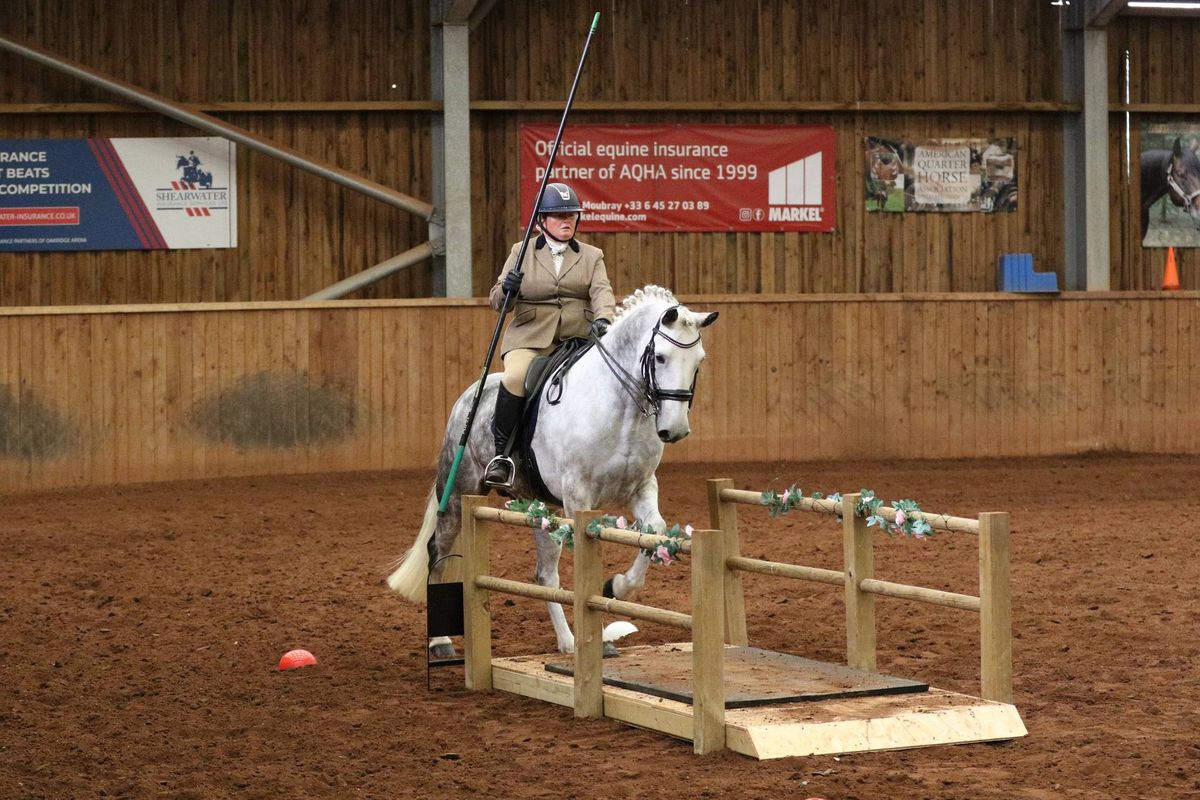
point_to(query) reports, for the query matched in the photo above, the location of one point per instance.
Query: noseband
(1175, 187)
(649, 396)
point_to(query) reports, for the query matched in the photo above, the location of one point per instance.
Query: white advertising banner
(117, 194)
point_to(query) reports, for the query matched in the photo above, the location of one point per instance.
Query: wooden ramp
(776, 705)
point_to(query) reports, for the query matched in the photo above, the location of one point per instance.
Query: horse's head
(1183, 178)
(180, 161)
(885, 163)
(672, 363)
(666, 337)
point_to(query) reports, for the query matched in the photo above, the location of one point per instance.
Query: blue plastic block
(1016, 274)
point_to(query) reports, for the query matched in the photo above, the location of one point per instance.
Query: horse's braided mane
(644, 295)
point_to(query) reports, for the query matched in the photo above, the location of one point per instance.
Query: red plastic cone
(1171, 274)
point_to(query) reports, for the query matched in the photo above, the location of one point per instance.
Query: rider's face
(560, 226)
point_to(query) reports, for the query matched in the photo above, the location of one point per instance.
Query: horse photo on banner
(941, 175)
(1170, 191)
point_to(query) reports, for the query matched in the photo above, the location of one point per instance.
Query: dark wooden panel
(224, 50)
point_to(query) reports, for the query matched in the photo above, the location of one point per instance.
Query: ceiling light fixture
(1164, 5)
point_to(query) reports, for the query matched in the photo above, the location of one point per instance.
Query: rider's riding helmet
(558, 198)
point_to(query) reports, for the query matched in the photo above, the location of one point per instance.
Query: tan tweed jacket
(552, 307)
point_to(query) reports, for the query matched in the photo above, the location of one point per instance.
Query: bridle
(647, 394)
(1174, 184)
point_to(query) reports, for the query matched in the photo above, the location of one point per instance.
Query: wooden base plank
(848, 725)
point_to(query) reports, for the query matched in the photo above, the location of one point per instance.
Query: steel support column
(450, 62)
(1085, 159)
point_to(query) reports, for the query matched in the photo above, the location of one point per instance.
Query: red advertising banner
(689, 178)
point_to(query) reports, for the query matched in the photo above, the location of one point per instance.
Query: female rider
(562, 291)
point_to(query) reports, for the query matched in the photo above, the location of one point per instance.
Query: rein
(646, 394)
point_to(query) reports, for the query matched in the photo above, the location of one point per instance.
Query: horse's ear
(1195, 144)
(709, 319)
(1177, 150)
(671, 315)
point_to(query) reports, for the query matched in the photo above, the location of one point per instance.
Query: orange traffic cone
(1171, 274)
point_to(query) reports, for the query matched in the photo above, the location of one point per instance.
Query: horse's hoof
(441, 652)
(610, 650)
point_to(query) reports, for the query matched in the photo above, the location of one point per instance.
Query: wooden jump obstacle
(822, 708)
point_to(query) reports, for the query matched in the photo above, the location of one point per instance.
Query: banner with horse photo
(941, 175)
(1170, 191)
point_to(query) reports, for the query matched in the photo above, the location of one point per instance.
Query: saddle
(545, 374)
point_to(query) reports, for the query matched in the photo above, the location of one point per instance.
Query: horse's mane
(647, 294)
(649, 300)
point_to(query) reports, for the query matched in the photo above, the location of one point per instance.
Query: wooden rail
(941, 522)
(705, 621)
(815, 574)
(994, 602)
(919, 593)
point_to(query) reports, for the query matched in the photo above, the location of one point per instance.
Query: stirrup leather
(505, 481)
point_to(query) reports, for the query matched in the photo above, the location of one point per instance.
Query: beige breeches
(516, 364)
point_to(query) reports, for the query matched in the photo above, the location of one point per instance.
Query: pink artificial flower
(621, 523)
(664, 555)
(545, 523)
(900, 517)
(687, 531)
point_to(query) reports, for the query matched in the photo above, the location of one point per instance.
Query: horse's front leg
(548, 553)
(645, 507)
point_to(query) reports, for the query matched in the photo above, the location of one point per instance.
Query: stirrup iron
(503, 462)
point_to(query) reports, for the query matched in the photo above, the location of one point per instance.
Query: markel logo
(794, 191)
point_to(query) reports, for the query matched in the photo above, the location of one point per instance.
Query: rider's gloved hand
(600, 327)
(512, 283)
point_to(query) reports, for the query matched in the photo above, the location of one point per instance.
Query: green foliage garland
(909, 520)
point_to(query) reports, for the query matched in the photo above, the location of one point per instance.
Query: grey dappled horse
(598, 447)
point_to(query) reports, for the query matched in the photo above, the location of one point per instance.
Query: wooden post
(723, 517)
(589, 624)
(708, 642)
(477, 620)
(859, 559)
(995, 609)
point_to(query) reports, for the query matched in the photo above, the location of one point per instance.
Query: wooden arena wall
(349, 82)
(131, 394)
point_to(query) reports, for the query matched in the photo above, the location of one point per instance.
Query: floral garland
(667, 552)
(539, 516)
(909, 520)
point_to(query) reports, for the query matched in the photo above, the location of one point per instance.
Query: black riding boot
(508, 414)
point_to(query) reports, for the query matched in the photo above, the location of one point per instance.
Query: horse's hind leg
(548, 554)
(441, 563)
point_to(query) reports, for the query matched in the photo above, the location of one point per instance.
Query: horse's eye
(660, 358)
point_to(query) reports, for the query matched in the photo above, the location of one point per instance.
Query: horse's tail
(412, 571)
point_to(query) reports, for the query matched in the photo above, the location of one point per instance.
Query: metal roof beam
(1100, 13)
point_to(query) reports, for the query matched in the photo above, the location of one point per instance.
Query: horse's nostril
(664, 435)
